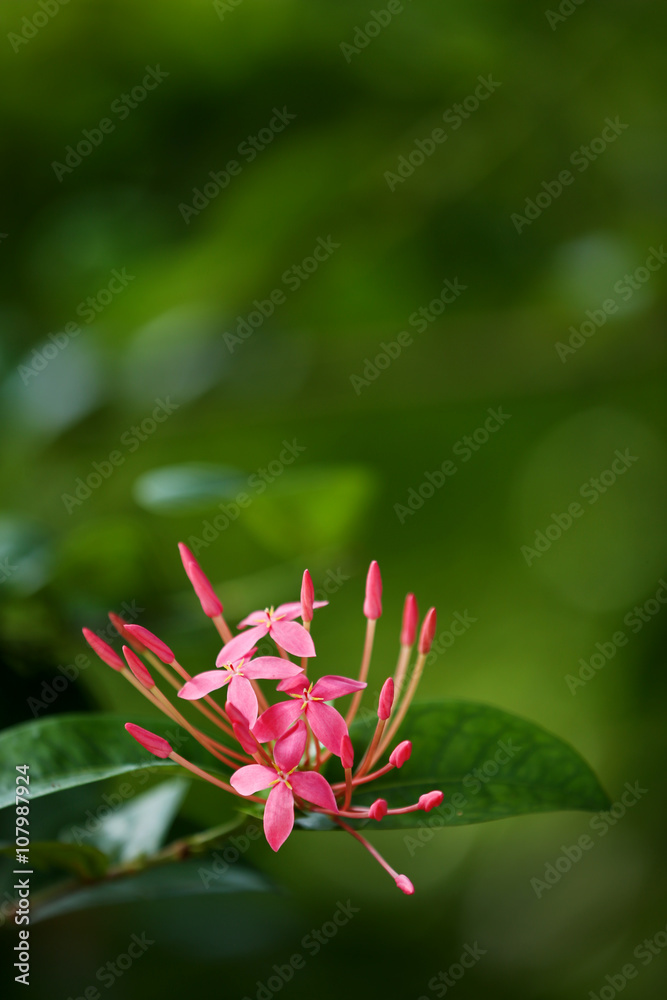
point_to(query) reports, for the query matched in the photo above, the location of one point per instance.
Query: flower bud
(427, 631)
(404, 884)
(410, 619)
(378, 810)
(150, 641)
(137, 667)
(386, 699)
(154, 744)
(103, 649)
(210, 604)
(307, 597)
(430, 800)
(401, 753)
(373, 601)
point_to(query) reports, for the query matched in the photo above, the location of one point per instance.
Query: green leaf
(80, 859)
(184, 878)
(68, 750)
(139, 827)
(490, 764)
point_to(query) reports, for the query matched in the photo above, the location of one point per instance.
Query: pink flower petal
(254, 618)
(243, 698)
(327, 724)
(240, 645)
(278, 815)
(289, 749)
(294, 685)
(291, 610)
(203, 684)
(252, 778)
(293, 638)
(314, 788)
(271, 668)
(333, 686)
(277, 719)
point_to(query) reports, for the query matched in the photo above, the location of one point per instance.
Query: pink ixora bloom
(285, 782)
(327, 724)
(238, 674)
(279, 624)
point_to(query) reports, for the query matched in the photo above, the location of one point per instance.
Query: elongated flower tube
(103, 650)
(151, 641)
(373, 599)
(307, 598)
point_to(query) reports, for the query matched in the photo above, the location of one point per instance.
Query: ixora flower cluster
(283, 746)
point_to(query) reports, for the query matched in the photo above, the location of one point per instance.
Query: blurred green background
(167, 337)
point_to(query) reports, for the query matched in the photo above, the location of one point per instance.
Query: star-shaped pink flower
(238, 674)
(285, 782)
(327, 724)
(279, 624)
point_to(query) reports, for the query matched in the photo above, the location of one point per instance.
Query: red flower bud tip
(373, 601)
(137, 668)
(405, 885)
(211, 606)
(103, 650)
(307, 597)
(430, 800)
(154, 744)
(150, 641)
(401, 753)
(386, 699)
(378, 810)
(428, 631)
(118, 623)
(410, 619)
(346, 752)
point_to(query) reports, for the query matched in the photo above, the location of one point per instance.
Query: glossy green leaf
(138, 827)
(490, 764)
(166, 881)
(80, 859)
(68, 750)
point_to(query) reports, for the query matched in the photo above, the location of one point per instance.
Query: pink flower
(327, 724)
(279, 624)
(285, 782)
(238, 674)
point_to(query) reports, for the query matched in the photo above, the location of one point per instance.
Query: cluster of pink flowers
(283, 746)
